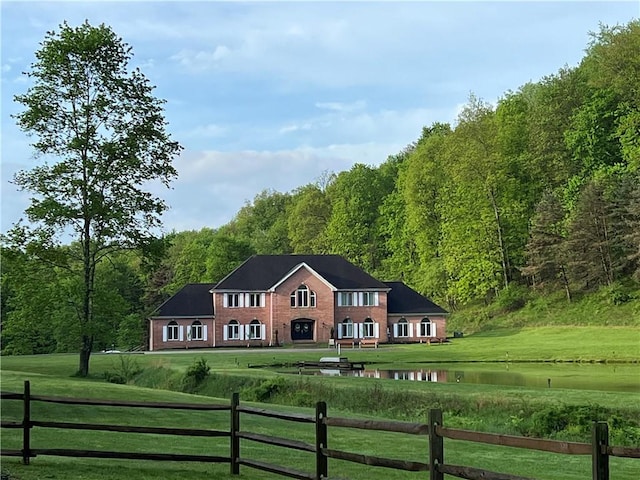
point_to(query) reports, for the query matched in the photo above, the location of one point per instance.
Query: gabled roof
(262, 272)
(404, 300)
(192, 300)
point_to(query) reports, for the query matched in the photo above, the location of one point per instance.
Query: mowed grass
(502, 459)
(51, 375)
(542, 344)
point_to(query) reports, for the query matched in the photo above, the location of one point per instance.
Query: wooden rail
(599, 448)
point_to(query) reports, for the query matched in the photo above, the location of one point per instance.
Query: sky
(274, 95)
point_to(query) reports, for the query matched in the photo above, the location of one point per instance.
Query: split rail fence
(599, 448)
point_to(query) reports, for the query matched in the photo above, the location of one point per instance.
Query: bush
(124, 371)
(196, 374)
(512, 298)
(266, 390)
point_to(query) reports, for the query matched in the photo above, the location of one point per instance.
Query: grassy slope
(554, 332)
(530, 463)
(595, 309)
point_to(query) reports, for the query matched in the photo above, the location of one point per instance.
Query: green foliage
(105, 129)
(267, 390)
(123, 371)
(512, 298)
(195, 375)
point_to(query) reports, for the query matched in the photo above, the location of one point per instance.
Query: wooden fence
(599, 448)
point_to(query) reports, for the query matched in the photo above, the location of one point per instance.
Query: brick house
(274, 299)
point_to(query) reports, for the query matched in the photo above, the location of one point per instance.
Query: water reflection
(582, 377)
(413, 375)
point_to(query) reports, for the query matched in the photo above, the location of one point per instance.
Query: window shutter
(263, 298)
(419, 329)
(225, 300)
(395, 329)
(204, 332)
(376, 299)
(433, 329)
(241, 300)
(263, 332)
(225, 332)
(376, 330)
(360, 300)
(241, 332)
(339, 331)
(339, 299)
(164, 333)
(181, 333)
(360, 330)
(411, 329)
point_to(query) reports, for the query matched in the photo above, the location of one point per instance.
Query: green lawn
(51, 375)
(533, 464)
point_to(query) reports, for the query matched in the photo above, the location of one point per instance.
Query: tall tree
(105, 134)
(545, 251)
(308, 216)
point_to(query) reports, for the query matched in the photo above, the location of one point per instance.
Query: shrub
(124, 371)
(196, 374)
(512, 298)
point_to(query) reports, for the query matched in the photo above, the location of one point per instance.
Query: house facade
(271, 300)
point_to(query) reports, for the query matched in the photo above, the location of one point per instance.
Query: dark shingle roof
(404, 300)
(192, 300)
(261, 272)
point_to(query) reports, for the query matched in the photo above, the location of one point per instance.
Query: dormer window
(303, 297)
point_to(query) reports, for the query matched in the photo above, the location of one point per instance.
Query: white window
(303, 297)
(368, 330)
(255, 300)
(427, 329)
(346, 329)
(255, 330)
(196, 331)
(173, 331)
(402, 328)
(369, 299)
(232, 300)
(233, 330)
(346, 299)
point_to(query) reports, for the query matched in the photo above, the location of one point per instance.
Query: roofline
(294, 270)
(236, 290)
(231, 273)
(418, 313)
(180, 316)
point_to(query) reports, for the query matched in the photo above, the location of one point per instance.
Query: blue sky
(269, 95)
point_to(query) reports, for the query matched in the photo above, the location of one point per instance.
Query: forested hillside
(539, 193)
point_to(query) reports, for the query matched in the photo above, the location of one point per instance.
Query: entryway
(302, 329)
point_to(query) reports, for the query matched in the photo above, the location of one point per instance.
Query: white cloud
(342, 107)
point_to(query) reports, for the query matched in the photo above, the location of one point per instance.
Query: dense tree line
(540, 191)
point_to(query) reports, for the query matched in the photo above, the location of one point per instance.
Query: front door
(302, 329)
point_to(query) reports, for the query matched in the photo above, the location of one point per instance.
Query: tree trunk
(504, 258)
(85, 353)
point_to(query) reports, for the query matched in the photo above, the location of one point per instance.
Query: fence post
(235, 440)
(436, 445)
(322, 469)
(600, 459)
(26, 424)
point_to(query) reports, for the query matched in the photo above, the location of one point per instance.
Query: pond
(605, 377)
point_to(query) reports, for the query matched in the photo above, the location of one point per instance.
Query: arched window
(233, 330)
(403, 328)
(303, 297)
(195, 332)
(346, 327)
(255, 329)
(425, 328)
(368, 330)
(172, 330)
